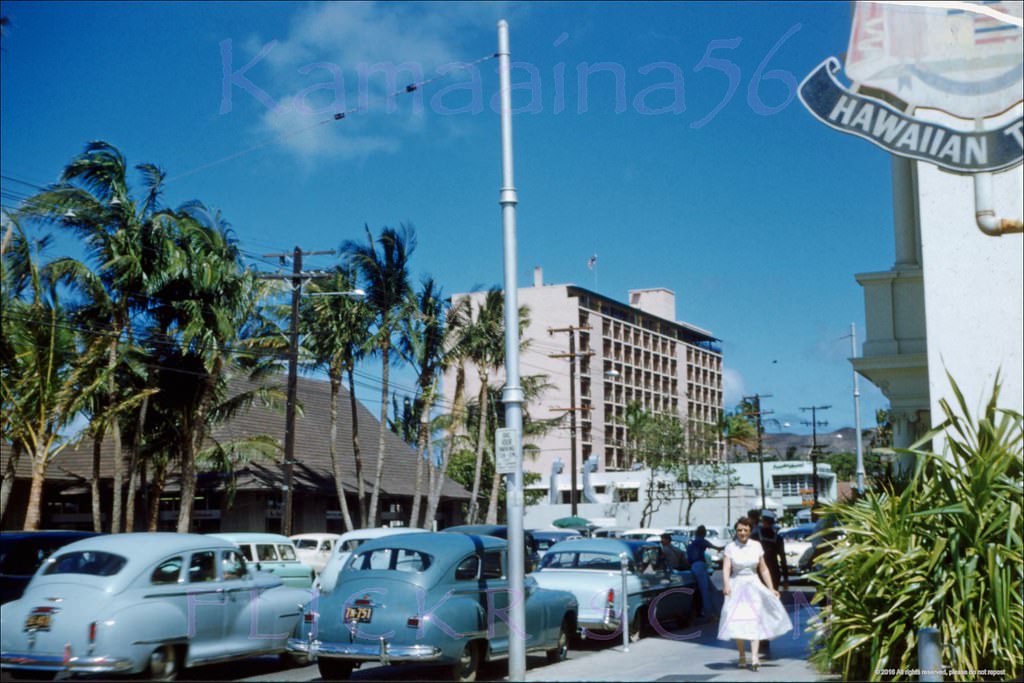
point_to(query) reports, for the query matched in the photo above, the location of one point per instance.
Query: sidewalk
(693, 654)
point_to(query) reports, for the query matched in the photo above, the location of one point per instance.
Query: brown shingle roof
(312, 448)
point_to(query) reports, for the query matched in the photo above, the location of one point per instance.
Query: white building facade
(623, 353)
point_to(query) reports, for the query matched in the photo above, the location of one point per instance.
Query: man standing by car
(672, 557)
(774, 557)
(695, 550)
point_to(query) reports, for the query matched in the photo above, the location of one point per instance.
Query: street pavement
(696, 654)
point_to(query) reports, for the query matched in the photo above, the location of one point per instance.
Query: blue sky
(753, 213)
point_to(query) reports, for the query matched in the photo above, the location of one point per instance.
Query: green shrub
(944, 552)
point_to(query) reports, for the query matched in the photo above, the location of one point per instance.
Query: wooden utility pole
(296, 277)
(572, 406)
(814, 423)
(756, 399)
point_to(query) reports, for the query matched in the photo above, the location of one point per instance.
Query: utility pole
(756, 398)
(293, 375)
(856, 412)
(572, 406)
(814, 423)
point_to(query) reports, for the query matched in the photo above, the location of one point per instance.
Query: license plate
(38, 622)
(361, 614)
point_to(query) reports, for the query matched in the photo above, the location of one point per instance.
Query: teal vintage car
(275, 554)
(431, 598)
(591, 568)
(144, 603)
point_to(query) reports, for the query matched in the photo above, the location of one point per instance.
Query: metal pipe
(513, 393)
(624, 620)
(985, 213)
(856, 413)
(929, 654)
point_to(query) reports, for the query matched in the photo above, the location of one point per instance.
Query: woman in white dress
(751, 610)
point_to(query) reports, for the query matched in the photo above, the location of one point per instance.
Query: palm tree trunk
(434, 497)
(133, 468)
(356, 451)
(159, 479)
(97, 509)
(115, 437)
(335, 465)
(188, 483)
(10, 474)
(492, 504)
(474, 504)
(424, 438)
(33, 512)
(382, 428)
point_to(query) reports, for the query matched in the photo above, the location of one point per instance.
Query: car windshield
(391, 559)
(287, 552)
(305, 544)
(89, 562)
(565, 559)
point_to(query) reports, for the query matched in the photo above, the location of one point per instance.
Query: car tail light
(363, 601)
(413, 622)
(92, 633)
(611, 597)
(309, 617)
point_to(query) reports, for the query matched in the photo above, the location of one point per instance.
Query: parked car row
(152, 604)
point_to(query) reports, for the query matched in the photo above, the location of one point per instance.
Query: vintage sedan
(314, 549)
(799, 549)
(432, 598)
(591, 568)
(145, 603)
(273, 553)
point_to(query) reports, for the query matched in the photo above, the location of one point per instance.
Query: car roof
(378, 532)
(251, 537)
(314, 536)
(603, 545)
(432, 542)
(145, 546)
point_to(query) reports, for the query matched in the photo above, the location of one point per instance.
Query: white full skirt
(752, 612)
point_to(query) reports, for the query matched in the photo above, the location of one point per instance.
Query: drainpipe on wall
(985, 213)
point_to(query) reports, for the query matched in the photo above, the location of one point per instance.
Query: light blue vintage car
(428, 597)
(591, 568)
(272, 553)
(145, 603)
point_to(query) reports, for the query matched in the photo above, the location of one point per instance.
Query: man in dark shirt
(774, 557)
(673, 558)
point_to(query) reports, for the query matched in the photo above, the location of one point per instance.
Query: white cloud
(732, 387)
(340, 56)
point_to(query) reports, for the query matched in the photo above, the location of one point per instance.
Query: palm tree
(38, 393)
(208, 309)
(423, 345)
(386, 277)
(122, 237)
(342, 328)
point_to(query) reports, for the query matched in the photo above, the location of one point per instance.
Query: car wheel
(163, 664)
(561, 651)
(294, 659)
(465, 670)
(335, 669)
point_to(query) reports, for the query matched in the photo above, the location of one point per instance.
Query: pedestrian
(672, 557)
(695, 550)
(774, 557)
(751, 610)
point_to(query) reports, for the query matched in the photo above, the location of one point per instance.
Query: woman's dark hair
(745, 521)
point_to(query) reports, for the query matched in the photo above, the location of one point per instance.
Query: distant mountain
(786, 446)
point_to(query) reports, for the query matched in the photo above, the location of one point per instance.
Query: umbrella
(570, 522)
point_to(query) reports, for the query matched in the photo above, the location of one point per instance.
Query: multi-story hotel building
(624, 352)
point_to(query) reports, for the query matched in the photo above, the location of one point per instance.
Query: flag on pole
(592, 261)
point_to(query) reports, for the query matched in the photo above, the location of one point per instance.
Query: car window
(265, 552)
(558, 560)
(305, 544)
(232, 564)
(468, 568)
(286, 551)
(89, 562)
(492, 566)
(396, 559)
(351, 544)
(202, 567)
(168, 571)
(326, 546)
(247, 551)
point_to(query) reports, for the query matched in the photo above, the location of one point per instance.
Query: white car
(799, 549)
(642, 534)
(343, 547)
(314, 549)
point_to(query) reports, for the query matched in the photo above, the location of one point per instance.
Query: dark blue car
(21, 553)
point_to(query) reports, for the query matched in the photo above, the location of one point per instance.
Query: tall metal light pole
(856, 412)
(513, 393)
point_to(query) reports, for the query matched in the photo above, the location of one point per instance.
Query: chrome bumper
(38, 662)
(380, 651)
(606, 621)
